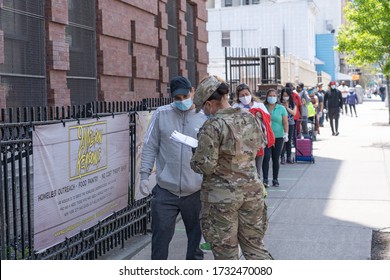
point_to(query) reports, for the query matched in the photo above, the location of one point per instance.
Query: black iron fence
(253, 66)
(16, 185)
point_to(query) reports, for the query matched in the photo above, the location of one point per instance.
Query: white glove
(325, 111)
(144, 187)
(285, 137)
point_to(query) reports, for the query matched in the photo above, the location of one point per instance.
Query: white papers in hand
(184, 139)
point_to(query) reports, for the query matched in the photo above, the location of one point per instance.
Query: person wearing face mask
(233, 211)
(287, 101)
(320, 94)
(178, 187)
(246, 100)
(333, 103)
(344, 89)
(304, 110)
(279, 124)
(314, 118)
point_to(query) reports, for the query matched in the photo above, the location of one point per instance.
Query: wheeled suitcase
(304, 150)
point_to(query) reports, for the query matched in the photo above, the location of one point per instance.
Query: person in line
(305, 99)
(382, 92)
(297, 117)
(233, 208)
(279, 124)
(313, 119)
(344, 89)
(320, 109)
(246, 100)
(287, 101)
(333, 102)
(352, 101)
(178, 187)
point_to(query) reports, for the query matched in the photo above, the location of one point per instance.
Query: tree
(365, 38)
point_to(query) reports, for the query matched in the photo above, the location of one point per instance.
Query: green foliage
(365, 38)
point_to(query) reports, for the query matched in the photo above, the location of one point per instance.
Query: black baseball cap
(180, 85)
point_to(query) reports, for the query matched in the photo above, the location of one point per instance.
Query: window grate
(23, 72)
(172, 37)
(81, 37)
(190, 42)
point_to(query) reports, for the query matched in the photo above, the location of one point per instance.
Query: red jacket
(268, 130)
(298, 103)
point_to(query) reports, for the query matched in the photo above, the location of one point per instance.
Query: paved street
(329, 209)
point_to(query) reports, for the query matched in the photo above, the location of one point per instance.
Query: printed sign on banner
(81, 176)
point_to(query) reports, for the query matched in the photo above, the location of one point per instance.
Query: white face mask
(246, 99)
(333, 87)
(286, 98)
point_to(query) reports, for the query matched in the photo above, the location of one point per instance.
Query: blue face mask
(184, 105)
(272, 99)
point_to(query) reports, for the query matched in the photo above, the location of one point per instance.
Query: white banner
(142, 124)
(81, 176)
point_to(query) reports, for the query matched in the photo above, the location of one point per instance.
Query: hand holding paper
(184, 139)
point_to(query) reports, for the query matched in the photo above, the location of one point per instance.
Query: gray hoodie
(172, 159)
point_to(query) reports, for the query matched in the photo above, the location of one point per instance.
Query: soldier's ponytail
(221, 91)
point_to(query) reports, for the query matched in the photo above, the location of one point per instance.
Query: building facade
(71, 52)
(291, 25)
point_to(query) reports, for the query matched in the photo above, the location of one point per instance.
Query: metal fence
(253, 66)
(16, 185)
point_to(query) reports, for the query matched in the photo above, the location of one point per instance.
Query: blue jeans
(165, 208)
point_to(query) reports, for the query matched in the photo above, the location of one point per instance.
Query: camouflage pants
(227, 225)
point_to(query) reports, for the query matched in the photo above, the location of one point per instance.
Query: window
(190, 43)
(225, 38)
(22, 76)
(80, 34)
(172, 37)
(228, 3)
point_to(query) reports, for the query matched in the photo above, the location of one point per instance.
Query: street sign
(355, 77)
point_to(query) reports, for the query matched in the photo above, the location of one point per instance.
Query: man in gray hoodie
(178, 186)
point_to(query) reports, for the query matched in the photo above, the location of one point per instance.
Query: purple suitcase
(304, 150)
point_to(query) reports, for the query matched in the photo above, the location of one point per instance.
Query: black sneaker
(337, 133)
(289, 161)
(282, 160)
(275, 183)
(265, 183)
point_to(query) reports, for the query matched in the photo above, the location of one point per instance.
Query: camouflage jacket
(227, 147)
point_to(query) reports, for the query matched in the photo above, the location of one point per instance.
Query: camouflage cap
(206, 88)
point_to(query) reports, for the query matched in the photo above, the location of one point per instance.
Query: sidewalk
(327, 210)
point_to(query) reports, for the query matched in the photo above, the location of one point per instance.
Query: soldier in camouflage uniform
(233, 209)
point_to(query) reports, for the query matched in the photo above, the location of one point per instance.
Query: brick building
(71, 52)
